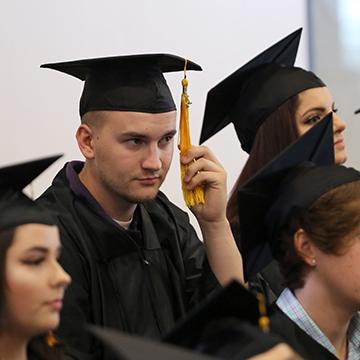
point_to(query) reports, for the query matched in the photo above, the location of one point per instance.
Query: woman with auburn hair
(32, 283)
(308, 214)
(271, 103)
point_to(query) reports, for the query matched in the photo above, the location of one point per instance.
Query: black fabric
(301, 342)
(269, 281)
(117, 283)
(225, 325)
(131, 347)
(232, 339)
(232, 301)
(125, 83)
(15, 207)
(293, 198)
(256, 197)
(250, 94)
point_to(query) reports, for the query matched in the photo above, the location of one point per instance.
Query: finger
(201, 165)
(197, 152)
(205, 178)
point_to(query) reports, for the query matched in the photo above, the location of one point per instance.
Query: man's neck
(116, 208)
(328, 312)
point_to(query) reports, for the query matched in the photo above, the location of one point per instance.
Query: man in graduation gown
(136, 262)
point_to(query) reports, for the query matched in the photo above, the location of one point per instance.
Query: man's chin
(140, 198)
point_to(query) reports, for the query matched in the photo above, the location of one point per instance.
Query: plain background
(335, 57)
(39, 107)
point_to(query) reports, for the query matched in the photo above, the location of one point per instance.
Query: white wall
(336, 57)
(39, 108)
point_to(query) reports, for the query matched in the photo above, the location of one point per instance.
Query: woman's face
(313, 105)
(34, 280)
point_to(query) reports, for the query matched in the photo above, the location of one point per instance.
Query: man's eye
(167, 139)
(135, 141)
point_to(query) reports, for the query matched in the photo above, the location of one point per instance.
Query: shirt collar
(290, 306)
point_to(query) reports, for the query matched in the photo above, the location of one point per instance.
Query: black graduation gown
(300, 341)
(269, 281)
(137, 282)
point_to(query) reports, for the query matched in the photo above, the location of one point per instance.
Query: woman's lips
(55, 304)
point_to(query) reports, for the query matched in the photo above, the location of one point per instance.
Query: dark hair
(37, 346)
(6, 238)
(328, 223)
(274, 135)
(40, 350)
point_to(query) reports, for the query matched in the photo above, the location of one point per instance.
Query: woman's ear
(84, 137)
(304, 247)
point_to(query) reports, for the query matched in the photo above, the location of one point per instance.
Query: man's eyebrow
(170, 133)
(138, 135)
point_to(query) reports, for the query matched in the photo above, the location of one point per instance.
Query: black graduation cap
(249, 95)
(15, 207)
(130, 347)
(125, 83)
(225, 324)
(289, 183)
(232, 301)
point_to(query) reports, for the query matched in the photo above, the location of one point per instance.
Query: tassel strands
(51, 340)
(196, 196)
(263, 319)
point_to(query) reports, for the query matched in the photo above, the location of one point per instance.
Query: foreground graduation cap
(15, 207)
(125, 83)
(128, 347)
(289, 183)
(249, 95)
(232, 301)
(224, 325)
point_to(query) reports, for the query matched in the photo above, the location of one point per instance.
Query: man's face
(133, 152)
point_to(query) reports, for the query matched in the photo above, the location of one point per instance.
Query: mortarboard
(15, 207)
(289, 183)
(225, 324)
(130, 347)
(125, 83)
(249, 95)
(255, 197)
(232, 301)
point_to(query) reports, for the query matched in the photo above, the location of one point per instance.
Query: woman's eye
(33, 262)
(334, 109)
(313, 119)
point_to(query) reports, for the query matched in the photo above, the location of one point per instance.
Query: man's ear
(85, 137)
(304, 247)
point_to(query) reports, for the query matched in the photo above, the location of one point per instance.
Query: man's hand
(205, 170)
(222, 252)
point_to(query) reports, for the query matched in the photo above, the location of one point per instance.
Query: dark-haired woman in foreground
(32, 283)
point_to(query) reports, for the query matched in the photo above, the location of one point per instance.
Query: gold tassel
(263, 319)
(51, 340)
(197, 195)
